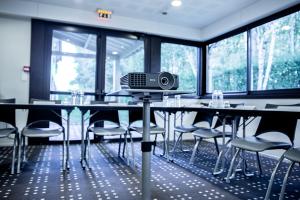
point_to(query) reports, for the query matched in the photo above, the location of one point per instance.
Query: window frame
(250, 94)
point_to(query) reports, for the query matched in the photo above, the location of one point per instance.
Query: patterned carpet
(111, 178)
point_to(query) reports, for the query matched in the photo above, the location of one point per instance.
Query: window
(123, 55)
(183, 61)
(275, 55)
(73, 61)
(73, 68)
(227, 65)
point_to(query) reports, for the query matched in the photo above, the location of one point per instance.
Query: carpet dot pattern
(110, 176)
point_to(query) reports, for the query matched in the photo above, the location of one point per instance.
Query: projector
(139, 80)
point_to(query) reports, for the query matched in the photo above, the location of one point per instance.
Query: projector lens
(164, 81)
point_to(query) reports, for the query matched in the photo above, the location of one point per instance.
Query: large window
(227, 65)
(73, 70)
(183, 61)
(73, 61)
(276, 54)
(123, 55)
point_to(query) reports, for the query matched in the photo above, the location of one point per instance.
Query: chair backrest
(228, 119)
(51, 115)
(204, 117)
(137, 115)
(285, 125)
(8, 115)
(103, 115)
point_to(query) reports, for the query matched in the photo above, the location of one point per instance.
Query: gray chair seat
(5, 132)
(293, 154)
(258, 144)
(185, 128)
(41, 132)
(107, 131)
(210, 133)
(153, 129)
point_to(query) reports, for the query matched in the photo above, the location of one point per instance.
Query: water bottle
(214, 98)
(81, 96)
(220, 99)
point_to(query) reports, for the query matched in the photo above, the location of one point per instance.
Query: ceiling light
(115, 53)
(176, 3)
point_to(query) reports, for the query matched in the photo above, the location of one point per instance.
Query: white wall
(14, 54)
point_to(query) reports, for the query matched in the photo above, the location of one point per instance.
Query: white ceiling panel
(192, 13)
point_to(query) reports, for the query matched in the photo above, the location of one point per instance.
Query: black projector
(139, 80)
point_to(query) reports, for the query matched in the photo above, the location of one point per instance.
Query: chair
(285, 125)
(44, 123)
(135, 124)
(109, 126)
(213, 133)
(183, 129)
(8, 117)
(293, 155)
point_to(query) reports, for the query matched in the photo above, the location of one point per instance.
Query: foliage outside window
(227, 65)
(276, 54)
(183, 61)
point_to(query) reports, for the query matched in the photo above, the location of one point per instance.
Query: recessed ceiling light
(176, 3)
(114, 53)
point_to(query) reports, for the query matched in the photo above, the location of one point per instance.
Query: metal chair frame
(39, 120)
(8, 117)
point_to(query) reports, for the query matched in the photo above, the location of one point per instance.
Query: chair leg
(132, 149)
(165, 144)
(285, 180)
(153, 152)
(14, 155)
(217, 146)
(194, 151)
(272, 178)
(259, 163)
(119, 150)
(24, 150)
(88, 150)
(64, 151)
(176, 143)
(232, 166)
(124, 145)
(19, 154)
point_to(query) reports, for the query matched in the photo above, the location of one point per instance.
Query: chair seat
(185, 129)
(153, 130)
(210, 133)
(293, 154)
(41, 132)
(5, 132)
(258, 144)
(104, 131)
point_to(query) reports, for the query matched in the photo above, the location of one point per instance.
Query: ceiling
(192, 13)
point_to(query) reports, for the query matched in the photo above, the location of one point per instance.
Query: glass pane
(122, 56)
(276, 54)
(227, 65)
(183, 61)
(73, 61)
